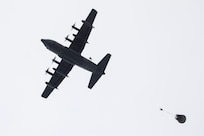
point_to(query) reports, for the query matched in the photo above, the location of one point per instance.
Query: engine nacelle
(74, 27)
(66, 38)
(48, 72)
(54, 60)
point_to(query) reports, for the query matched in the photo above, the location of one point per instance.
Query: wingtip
(43, 96)
(93, 10)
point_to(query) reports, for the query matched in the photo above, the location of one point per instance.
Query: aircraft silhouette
(72, 56)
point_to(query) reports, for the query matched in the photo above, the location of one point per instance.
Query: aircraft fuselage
(69, 55)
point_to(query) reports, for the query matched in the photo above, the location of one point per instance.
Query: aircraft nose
(42, 40)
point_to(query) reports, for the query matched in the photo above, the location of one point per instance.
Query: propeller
(54, 60)
(74, 27)
(74, 35)
(48, 72)
(67, 39)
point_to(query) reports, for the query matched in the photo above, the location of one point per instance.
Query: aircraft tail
(99, 71)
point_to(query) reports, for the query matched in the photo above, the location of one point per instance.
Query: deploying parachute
(180, 118)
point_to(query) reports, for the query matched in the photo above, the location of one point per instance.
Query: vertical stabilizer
(99, 71)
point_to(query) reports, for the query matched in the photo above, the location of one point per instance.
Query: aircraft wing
(81, 37)
(60, 73)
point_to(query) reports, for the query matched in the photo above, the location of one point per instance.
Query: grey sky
(157, 61)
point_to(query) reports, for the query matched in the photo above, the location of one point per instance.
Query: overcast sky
(157, 62)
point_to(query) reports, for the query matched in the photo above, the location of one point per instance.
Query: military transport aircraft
(72, 56)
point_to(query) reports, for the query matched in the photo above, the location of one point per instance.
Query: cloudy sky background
(157, 61)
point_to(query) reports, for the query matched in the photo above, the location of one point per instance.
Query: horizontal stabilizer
(99, 71)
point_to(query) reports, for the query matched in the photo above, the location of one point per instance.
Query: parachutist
(178, 117)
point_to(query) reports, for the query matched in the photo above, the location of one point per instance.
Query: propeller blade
(46, 71)
(73, 26)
